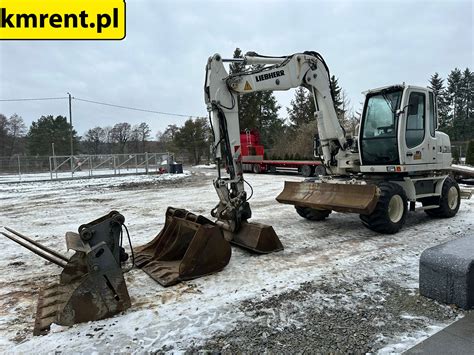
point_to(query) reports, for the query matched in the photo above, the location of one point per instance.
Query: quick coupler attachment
(91, 285)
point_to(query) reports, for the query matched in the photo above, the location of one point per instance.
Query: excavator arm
(262, 73)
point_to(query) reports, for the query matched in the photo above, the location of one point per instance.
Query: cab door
(431, 133)
(416, 129)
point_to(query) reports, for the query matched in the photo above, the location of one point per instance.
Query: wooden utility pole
(70, 124)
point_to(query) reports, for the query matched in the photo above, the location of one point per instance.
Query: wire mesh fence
(30, 168)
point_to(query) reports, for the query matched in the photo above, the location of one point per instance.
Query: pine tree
(194, 138)
(302, 107)
(467, 87)
(470, 153)
(49, 130)
(437, 85)
(258, 110)
(455, 99)
(337, 98)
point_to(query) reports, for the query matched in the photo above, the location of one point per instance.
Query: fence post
(146, 163)
(19, 166)
(136, 163)
(115, 165)
(50, 168)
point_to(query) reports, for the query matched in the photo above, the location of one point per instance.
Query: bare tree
(94, 138)
(120, 134)
(143, 132)
(16, 129)
(3, 134)
(140, 133)
(108, 138)
(166, 139)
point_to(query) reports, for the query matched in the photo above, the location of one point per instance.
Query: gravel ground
(329, 318)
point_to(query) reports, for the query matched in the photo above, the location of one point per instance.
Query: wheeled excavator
(397, 160)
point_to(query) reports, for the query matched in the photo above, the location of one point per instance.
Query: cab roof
(396, 86)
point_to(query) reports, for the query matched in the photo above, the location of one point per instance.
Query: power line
(35, 99)
(134, 108)
(99, 103)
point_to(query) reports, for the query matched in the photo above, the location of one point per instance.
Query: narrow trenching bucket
(188, 246)
(339, 197)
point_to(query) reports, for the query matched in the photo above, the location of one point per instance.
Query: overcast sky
(160, 64)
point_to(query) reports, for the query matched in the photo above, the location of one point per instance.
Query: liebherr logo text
(267, 76)
(53, 19)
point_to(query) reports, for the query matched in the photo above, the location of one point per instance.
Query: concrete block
(447, 272)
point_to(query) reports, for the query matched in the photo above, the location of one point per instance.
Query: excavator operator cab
(398, 131)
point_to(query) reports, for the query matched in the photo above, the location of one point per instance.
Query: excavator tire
(390, 212)
(312, 214)
(449, 201)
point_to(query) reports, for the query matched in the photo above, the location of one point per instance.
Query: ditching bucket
(256, 237)
(331, 196)
(188, 246)
(91, 285)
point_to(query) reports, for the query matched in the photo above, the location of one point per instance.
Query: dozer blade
(185, 249)
(256, 237)
(339, 197)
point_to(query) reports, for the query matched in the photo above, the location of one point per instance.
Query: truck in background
(253, 159)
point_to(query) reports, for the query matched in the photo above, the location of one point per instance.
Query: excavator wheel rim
(453, 197)
(395, 208)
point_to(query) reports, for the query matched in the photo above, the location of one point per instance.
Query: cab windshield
(379, 128)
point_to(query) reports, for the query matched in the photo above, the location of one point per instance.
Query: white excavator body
(398, 158)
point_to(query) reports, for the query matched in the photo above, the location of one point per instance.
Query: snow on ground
(191, 312)
(205, 166)
(22, 177)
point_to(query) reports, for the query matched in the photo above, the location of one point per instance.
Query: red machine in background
(253, 158)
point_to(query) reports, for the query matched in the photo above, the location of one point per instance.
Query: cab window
(415, 127)
(432, 117)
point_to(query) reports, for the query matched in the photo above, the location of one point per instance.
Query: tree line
(49, 132)
(257, 110)
(455, 103)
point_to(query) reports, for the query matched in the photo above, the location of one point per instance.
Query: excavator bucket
(256, 237)
(91, 285)
(188, 246)
(339, 197)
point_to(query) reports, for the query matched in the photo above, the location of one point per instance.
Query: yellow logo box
(62, 19)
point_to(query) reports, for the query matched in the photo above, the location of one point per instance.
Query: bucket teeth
(47, 309)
